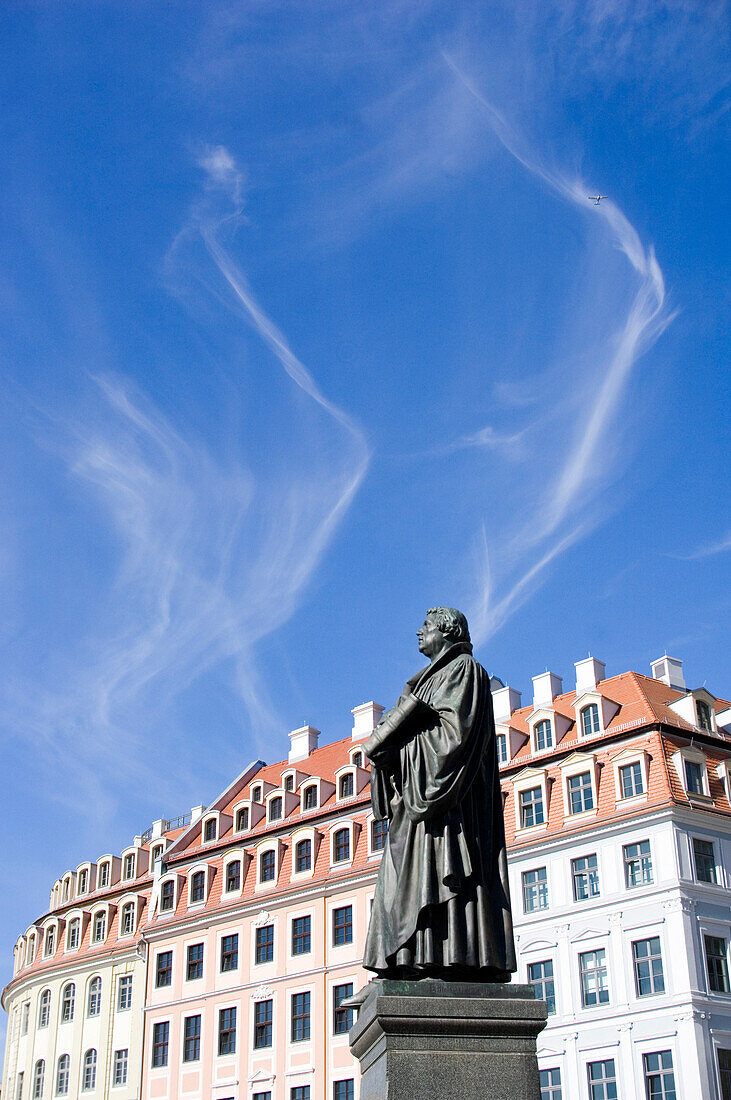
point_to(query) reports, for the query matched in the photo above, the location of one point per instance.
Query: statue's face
(431, 639)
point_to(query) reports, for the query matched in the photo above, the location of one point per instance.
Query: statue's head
(443, 626)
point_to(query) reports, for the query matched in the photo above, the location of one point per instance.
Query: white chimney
(505, 701)
(366, 717)
(302, 742)
(197, 812)
(589, 673)
(545, 689)
(670, 671)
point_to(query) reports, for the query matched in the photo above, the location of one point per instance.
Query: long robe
(442, 903)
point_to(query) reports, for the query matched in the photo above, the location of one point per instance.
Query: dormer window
(129, 866)
(341, 846)
(346, 785)
(309, 797)
(693, 777)
(73, 937)
(157, 852)
(209, 830)
(167, 896)
(357, 759)
(197, 887)
(99, 930)
(82, 882)
(580, 793)
(66, 889)
(275, 809)
(543, 735)
(242, 819)
(50, 944)
(233, 875)
(102, 875)
(630, 780)
(502, 748)
(590, 720)
(256, 794)
(289, 782)
(703, 715)
(127, 924)
(303, 855)
(267, 866)
(690, 767)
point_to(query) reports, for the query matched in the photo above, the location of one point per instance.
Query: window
(19, 1086)
(342, 1017)
(233, 875)
(267, 866)
(50, 945)
(167, 895)
(261, 1096)
(593, 971)
(659, 1076)
(66, 888)
(309, 797)
(129, 866)
(590, 720)
(717, 964)
(39, 1075)
(89, 1078)
(44, 1008)
(209, 830)
(531, 808)
(229, 953)
(256, 794)
(67, 1002)
(342, 925)
(357, 759)
(194, 962)
(62, 1075)
(275, 809)
(242, 819)
(341, 845)
(198, 887)
(550, 1084)
(124, 995)
(647, 958)
(630, 780)
(262, 1024)
(540, 974)
(502, 748)
(379, 832)
(303, 855)
(705, 861)
(264, 944)
(160, 1041)
(344, 1090)
(299, 1092)
(102, 875)
(703, 714)
(602, 1080)
(345, 785)
(724, 1071)
(535, 890)
(24, 1018)
(581, 796)
(100, 927)
(82, 883)
(301, 935)
(585, 877)
(289, 782)
(119, 1072)
(74, 935)
(157, 852)
(543, 735)
(94, 999)
(164, 969)
(300, 1017)
(128, 918)
(693, 777)
(191, 1039)
(637, 863)
(227, 1031)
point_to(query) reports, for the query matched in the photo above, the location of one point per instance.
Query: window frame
(346, 924)
(537, 888)
(642, 860)
(647, 962)
(588, 873)
(600, 979)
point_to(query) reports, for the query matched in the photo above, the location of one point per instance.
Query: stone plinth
(439, 1040)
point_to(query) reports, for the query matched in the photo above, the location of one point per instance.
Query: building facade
(212, 957)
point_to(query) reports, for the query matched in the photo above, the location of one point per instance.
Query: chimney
(197, 813)
(505, 701)
(589, 673)
(302, 742)
(365, 719)
(670, 671)
(545, 689)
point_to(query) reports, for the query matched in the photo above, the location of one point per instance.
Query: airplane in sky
(597, 198)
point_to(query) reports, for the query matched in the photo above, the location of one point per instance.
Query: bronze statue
(442, 904)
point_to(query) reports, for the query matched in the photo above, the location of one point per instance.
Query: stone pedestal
(440, 1040)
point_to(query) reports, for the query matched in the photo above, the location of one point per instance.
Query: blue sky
(306, 324)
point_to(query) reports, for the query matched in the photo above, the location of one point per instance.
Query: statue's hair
(451, 622)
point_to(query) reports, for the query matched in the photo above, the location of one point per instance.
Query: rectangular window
(379, 832)
(585, 877)
(693, 777)
(19, 1086)
(342, 925)
(602, 1080)
(551, 1084)
(647, 958)
(303, 855)
(192, 1039)
(299, 1092)
(630, 780)
(209, 830)
(502, 749)
(160, 1041)
(300, 1017)
(344, 1090)
(342, 1017)
(659, 1076)
(227, 1031)
(301, 935)
(233, 875)
(341, 846)
(24, 1017)
(717, 963)
(267, 866)
(262, 1024)
(229, 953)
(198, 887)
(264, 945)
(124, 997)
(242, 819)
(129, 866)
(167, 896)
(103, 875)
(260, 1096)
(310, 797)
(581, 796)
(637, 864)
(531, 808)
(705, 860)
(535, 890)
(164, 969)
(540, 974)
(593, 971)
(194, 962)
(119, 1072)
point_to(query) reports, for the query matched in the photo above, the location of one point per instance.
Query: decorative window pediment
(631, 769)
(547, 728)
(531, 792)
(593, 712)
(691, 768)
(350, 781)
(580, 782)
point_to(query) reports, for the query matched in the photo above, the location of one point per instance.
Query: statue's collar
(443, 659)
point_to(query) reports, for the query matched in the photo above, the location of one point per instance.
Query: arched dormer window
(82, 881)
(303, 855)
(341, 845)
(275, 808)
(309, 797)
(128, 866)
(242, 819)
(289, 783)
(44, 1008)
(73, 936)
(156, 853)
(197, 888)
(66, 889)
(356, 758)
(68, 998)
(256, 794)
(30, 950)
(233, 876)
(346, 786)
(99, 927)
(502, 748)
(49, 946)
(63, 1073)
(103, 875)
(543, 735)
(210, 830)
(590, 720)
(94, 997)
(267, 866)
(89, 1079)
(127, 920)
(167, 896)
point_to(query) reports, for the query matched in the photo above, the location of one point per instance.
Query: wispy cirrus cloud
(708, 550)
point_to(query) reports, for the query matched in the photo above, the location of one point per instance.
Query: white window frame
(76, 915)
(268, 846)
(126, 854)
(607, 709)
(211, 816)
(536, 719)
(623, 759)
(310, 833)
(340, 774)
(83, 867)
(232, 856)
(195, 869)
(170, 876)
(108, 862)
(136, 902)
(693, 755)
(105, 910)
(51, 925)
(526, 780)
(353, 829)
(574, 765)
